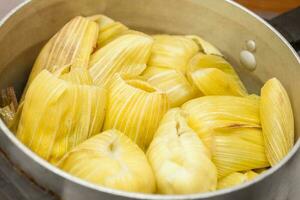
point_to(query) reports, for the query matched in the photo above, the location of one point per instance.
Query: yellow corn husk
(238, 149)
(210, 112)
(112, 160)
(233, 179)
(87, 46)
(205, 46)
(58, 115)
(72, 46)
(78, 76)
(172, 82)
(128, 54)
(176, 116)
(179, 159)
(213, 75)
(251, 175)
(212, 81)
(108, 29)
(236, 178)
(135, 108)
(172, 52)
(277, 121)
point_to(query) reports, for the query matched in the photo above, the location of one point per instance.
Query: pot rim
(95, 187)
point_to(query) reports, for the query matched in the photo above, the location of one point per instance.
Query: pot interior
(226, 26)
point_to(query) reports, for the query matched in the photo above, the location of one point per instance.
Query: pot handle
(288, 24)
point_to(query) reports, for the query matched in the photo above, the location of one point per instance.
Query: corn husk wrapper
(172, 52)
(277, 121)
(213, 75)
(77, 76)
(210, 112)
(205, 46)
(112, 160)
(109, 29)
(238, 149)
(251, 175)
(172, 82)
(58, 115)
(126, 54)
(72, 46)
(135, 108)
(180, 161)
(236, 178)
(233, 179)
(176, 117)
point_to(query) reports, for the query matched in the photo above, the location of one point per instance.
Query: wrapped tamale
(213, 75)
(172, 82)
(236, 178)
(277, 120)
(126, 54)
(109, 29)
(58, 114)
(112, 160)
(172, 52)
(210, 112)
(135, 107)
(180, 161)
(71, 46)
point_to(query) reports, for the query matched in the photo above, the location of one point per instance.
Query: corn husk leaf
(251, 175)
(172, 52)
(180, 161)
(213, 81)
(72, 46)
(112, 160)
(210, 112)
(135, 108)
(236, 178)
(238, 149)
(277, 121)
(108, 29)
(178, 118)
(58, 115)
(172, 82)
(233, 179)
(126, 54)
(213, 75)
(205, 46)
(77, 76)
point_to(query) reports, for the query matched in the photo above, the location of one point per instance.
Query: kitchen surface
(15, 185)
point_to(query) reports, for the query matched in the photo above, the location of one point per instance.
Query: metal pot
(224, 23)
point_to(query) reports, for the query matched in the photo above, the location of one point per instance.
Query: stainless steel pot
(224, 23)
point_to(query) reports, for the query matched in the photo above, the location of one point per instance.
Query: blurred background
(270, 8)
